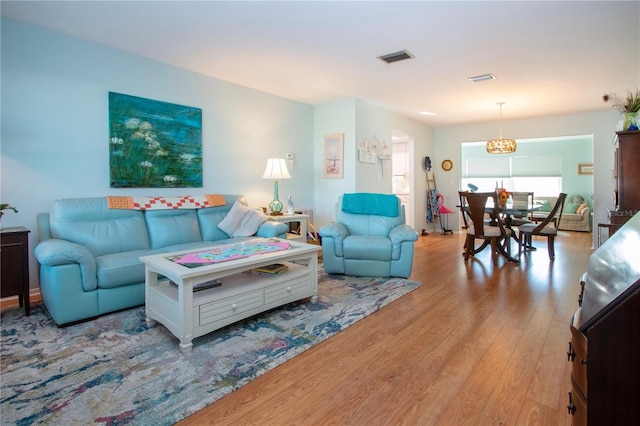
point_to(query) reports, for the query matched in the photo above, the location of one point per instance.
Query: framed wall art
(154, 144)
(334, 156)
(367, 152)
(585, 168)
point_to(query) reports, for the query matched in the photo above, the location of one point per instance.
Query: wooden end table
(14, 261)
(296, 217)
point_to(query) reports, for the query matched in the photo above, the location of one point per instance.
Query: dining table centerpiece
(503, 197)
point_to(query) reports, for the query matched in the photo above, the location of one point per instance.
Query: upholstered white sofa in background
(576, 214)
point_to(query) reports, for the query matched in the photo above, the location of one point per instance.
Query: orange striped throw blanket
(164, 203)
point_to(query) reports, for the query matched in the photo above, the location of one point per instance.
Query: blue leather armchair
(368, 238)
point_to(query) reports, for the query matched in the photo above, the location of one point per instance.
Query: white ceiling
(549, 57)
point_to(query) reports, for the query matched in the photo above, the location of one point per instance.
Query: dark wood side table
(611, 228)
(14, 264)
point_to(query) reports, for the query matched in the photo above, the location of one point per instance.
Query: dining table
(507, 212)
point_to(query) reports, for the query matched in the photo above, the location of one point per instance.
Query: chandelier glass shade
(501, 145)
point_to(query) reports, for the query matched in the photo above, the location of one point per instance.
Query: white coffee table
(188, 314)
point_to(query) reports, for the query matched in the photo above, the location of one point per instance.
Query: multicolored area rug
(116, 370)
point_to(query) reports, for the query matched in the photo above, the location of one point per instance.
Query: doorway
(402, 172)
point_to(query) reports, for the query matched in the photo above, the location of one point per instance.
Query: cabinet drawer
(298, 287)
(221, 309)
(583, 281)
(577, 408)
(579, 363)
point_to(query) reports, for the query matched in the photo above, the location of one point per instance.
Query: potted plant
(3, 207)
(628, 105)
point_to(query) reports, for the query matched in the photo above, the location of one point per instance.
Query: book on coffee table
(203, 286)
(273, 269)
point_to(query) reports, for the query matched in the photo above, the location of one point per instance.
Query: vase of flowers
(630, 121)
(503, 197)
(3, 207)
(628, 106)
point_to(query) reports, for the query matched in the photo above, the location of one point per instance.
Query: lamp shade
(500, 145)
(276, 169)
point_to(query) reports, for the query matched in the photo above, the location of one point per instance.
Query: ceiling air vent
(396, 56)
(483, 77)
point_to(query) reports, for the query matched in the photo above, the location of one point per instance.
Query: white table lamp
(276, 169)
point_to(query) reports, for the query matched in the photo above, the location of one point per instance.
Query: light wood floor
(474, 345)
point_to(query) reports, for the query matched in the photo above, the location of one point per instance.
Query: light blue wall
(331, 118)
(573, 151)
(358, 119)
(601, 125)
(54, 137)
(55, 125)
(375, 123)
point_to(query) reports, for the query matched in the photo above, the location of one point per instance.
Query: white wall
(55, 125)
(602, 125)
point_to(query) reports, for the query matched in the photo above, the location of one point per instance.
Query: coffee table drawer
(287, 289)
(219, 310)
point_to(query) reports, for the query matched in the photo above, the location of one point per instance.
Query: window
(544, 186)
(541, 166)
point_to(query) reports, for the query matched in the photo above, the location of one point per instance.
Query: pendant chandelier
(501, 146)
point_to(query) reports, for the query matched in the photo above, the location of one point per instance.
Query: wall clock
(447, 165)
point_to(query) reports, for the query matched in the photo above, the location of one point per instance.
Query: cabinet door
(628, 171)
(12, 264)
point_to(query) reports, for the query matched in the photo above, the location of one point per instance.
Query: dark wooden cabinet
(14, 264)
(605, 347)
(627, 173)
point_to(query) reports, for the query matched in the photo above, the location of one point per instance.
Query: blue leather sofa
(369, 239)
(89, 253)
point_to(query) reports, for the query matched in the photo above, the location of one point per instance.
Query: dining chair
(543, 229)
(522, 199)
(464, 209)
(480, 229)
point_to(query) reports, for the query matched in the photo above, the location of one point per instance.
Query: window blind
(487, 167)
(548, 165)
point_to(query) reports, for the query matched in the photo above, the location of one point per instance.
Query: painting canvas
(154, 144)
(334, 156)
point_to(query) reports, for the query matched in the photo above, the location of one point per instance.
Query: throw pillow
(570, 208)
(241, 221)
(581, 207)
(250, 223)
(546, 207)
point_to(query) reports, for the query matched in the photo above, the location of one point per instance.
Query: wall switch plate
(289, 157)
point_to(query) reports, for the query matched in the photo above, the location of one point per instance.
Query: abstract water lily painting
(154, 144)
